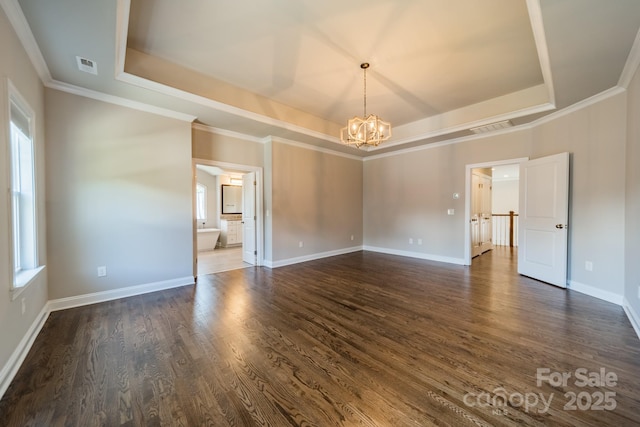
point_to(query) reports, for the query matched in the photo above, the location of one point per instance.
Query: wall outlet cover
(102, 271)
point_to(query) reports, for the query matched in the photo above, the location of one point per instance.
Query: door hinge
(255, 252)
(254, 218)
(255, 182)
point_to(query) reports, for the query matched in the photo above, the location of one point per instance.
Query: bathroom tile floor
(220, 259)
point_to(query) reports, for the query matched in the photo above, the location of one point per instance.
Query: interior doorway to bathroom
(227, 216)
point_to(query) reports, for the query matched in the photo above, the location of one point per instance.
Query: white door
(544, 213)
(481, 235)
(249, 218)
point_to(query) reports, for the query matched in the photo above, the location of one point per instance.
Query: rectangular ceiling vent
(87, 65)
(492, 126)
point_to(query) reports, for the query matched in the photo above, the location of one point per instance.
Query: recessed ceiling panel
(427, 57)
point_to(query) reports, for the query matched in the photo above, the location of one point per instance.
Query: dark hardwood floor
(359, 339)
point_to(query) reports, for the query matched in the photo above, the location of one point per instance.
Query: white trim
(609, 93)
(632, 64)
(96, 297)
(26, 279)
(587, 102)
(633, 316)
(446, 142)
(20, 25)
(123, 9)
(595, 292)
(466, 125)
(10, 369)
(420, 255)
(229, 133)
(540, 38)
(311, 257)
(312, 147)
(123, 102)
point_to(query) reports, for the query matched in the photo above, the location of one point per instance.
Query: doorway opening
(491, 206)
(228, 224)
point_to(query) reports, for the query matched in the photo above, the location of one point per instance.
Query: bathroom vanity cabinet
(231, 233)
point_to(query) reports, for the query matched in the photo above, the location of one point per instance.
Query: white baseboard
(595, 292)
(633, 316)
(10, 369)
(420, 255)
(310, 257)
(80, 300)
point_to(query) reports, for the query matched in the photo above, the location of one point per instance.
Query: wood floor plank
(360, 339)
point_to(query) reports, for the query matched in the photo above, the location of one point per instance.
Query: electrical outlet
(419, 241)
(24, 306)
(300, 244)
(451, 211)
(410, 241)
(352, 237)
(588, 265)
(102, 271)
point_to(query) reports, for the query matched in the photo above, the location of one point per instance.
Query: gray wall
(15, 65)
(407, 195)
(222, 148)
(119, 195)
(309, 196)
(317, 199)
(632, 216)
(505, 196)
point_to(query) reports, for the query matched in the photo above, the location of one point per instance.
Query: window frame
(22, 276)
(204, 201)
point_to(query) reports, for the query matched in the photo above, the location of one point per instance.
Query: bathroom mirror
(231, 199)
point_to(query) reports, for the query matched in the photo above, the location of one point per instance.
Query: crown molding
(609, 93)
(229, 133)
(632, 64)
(306, 146)
(448, 142)
(123, 102)
(587, 102)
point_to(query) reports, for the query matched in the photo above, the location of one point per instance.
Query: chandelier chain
(365, 92)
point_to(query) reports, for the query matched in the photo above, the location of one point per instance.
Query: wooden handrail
(511, 215)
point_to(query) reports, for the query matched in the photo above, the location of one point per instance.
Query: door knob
(560, 226)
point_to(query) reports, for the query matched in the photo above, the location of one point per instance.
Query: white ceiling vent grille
(87, 65)
(492, 126)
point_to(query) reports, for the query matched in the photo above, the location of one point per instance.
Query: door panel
(481, 226)
(544, 212)
(248, 231)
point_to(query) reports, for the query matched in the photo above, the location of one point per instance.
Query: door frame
(467, 198)
(259, 203)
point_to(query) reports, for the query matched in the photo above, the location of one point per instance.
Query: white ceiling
(290, 68)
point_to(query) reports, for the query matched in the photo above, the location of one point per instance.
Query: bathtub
(207, 238)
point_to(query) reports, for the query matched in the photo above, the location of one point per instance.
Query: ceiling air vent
(87, 65)
(492, 126)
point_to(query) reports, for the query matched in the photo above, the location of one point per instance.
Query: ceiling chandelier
(368, 130)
